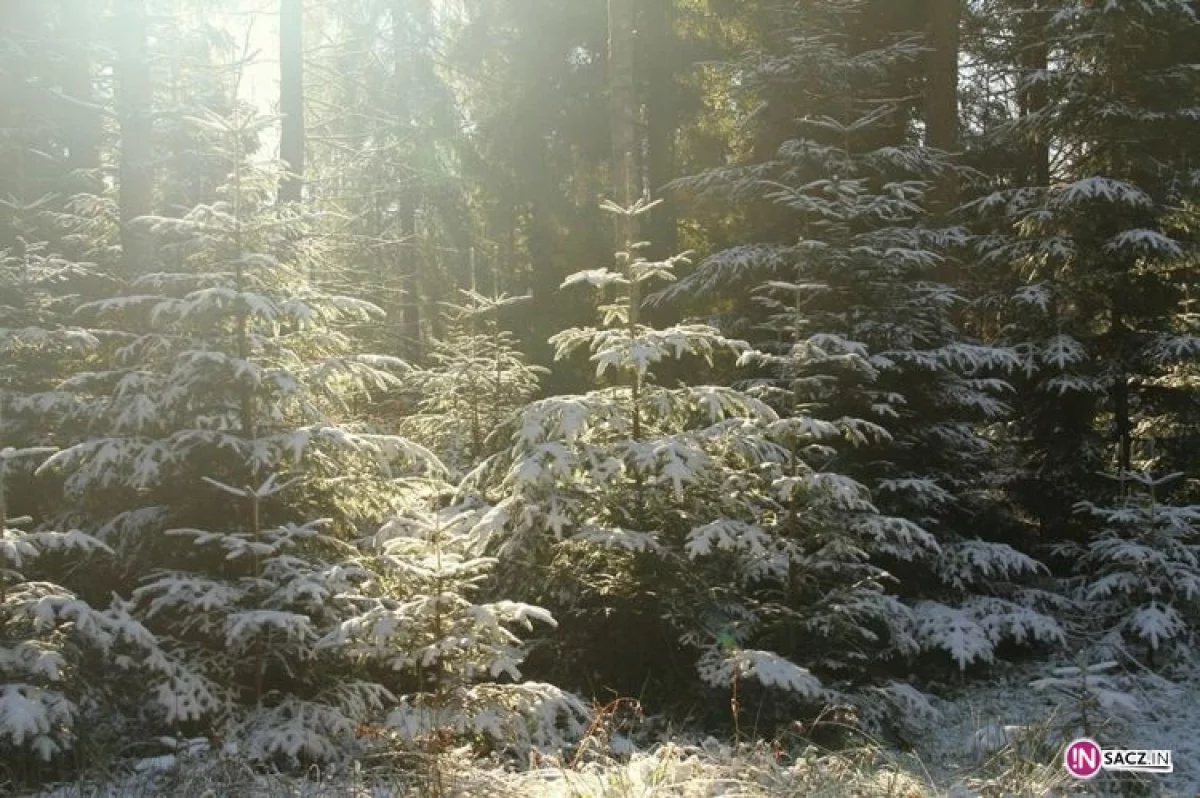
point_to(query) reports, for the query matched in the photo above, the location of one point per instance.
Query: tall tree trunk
(877, 25)
(622, 104)
(658, 47)
(1122, 360)
(1122, 413)
(410, 257)
(134, 108)
(941, 93)
(291, 97)
(544, 275)
(1124, 423)
(1034, 60)
(19, 22)
(83, 128)
(623, 118)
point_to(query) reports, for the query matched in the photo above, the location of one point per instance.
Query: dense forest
(544, 380)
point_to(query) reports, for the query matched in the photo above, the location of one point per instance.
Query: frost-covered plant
(44, 631)
(985, 603)
(1090, 701)
(220, 468)
(1138, 575)
(38, 343)
(249, 634)
(643, 515)
(453, 660)
(476, 379)
(1099, 281)
(752, 770)
(858, 324)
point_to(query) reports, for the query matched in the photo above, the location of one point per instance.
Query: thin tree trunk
(1122, 412)
(83, 128)
(545, 274)
(544, 281)
(1034, 60)
(659, 48)
(134, 101)
(291, 97)
(410, 314)
(941, 98)
(623, 118)
(876, 26)
(622, 104)
(1124, 426)
(410, 260)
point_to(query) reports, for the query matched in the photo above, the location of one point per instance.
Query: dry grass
(668, 770)
(1024, 766)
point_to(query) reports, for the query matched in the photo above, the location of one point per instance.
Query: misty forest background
(356, 414)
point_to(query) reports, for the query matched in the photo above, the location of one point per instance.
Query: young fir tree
(57, 653)
(45, 631)
(1101, 252)
(1091, 700)
(391, 167)
(38, 343)
(476, 379)
(1100, 301)
(684, 531)
(218, 468)
(43, 267)
(1138, 575)
(453, 660)
(857, 296)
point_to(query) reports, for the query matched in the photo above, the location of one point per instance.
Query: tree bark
(876, 26)
(410, 259)
(291, 98)
(134, 107)
(941, 93)
(406, 191)
(622, 103)
(658, 47)
(83, 125)
(1122, 414)
(1034, 61)
(544, 275)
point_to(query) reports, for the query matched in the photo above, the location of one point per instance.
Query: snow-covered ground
(993, 739)
(1007, 727)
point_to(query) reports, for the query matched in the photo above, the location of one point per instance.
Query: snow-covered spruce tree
(1101, 255)
(1091, 702)
(38, 290)
(454, 661)
(218, 469)
(475, 380)
(44, 631)
(681, 531)
(1137, 578)
(1101, 281)
(858, 297)
(59, 658)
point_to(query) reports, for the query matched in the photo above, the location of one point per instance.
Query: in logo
(1083, 758)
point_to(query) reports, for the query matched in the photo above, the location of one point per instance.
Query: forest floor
(992, 739)
(999, 738)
